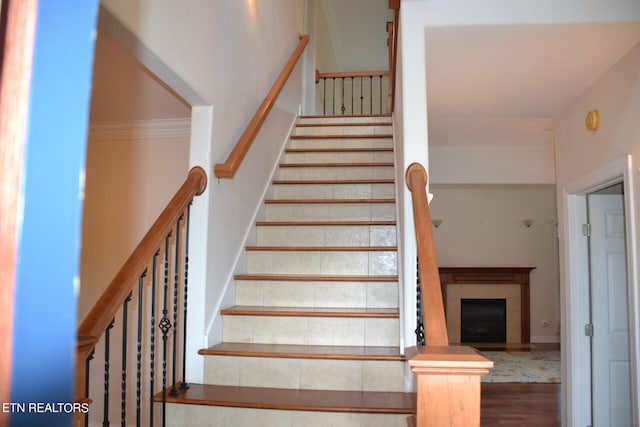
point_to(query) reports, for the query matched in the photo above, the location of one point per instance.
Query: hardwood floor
(512, 404)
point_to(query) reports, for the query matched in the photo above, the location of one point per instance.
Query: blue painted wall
(49, 239)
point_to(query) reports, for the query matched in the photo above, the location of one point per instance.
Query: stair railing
(392, 43)
(353, 93)
(144, 305)
(230, 166)
(448, 376)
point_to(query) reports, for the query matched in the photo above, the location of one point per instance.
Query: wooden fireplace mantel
(493, 276)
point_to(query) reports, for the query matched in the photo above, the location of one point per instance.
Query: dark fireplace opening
(483, 320)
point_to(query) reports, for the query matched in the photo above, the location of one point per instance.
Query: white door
(611, 385)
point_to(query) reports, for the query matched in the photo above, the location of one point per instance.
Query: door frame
(575, 293)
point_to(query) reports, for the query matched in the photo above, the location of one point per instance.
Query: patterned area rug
(523, 367)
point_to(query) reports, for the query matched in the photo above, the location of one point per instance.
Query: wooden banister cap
(416, 173)
(447, 358)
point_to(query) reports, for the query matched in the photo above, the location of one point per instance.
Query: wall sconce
(527, 222)
(436, 222)
(592, 122)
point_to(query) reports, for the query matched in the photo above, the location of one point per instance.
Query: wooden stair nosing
(316, 278)
(325, 201)
(333, 181)
(345, 136)
(340, 150)
(319, 248)
(378, 402)
(345, 124)
(297, 351)
(336, 165)
(369, 313)
(344, 116)
(324, 223)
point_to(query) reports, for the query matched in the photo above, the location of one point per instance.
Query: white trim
(140, 129)
(575, 295)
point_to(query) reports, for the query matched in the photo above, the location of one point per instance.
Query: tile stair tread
(298, 351)
(323, 223)
(335, 165)
(316, 278)
(323, 248)
(243, 310)
(295, 399)
(328, 201)
(345, 136)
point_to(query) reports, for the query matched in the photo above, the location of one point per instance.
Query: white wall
(582, 155)
(222, 56)
(482, 226)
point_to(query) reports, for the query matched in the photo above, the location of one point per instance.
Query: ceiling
(486, 85)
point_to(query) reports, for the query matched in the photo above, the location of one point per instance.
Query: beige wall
(128, 183)
(482, 226)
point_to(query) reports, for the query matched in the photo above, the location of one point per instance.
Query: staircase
(313, 339)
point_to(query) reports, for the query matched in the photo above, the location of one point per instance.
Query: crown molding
(140, 129)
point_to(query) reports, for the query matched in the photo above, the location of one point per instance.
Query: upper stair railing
(448, 376)
(230, 166)
(144, 306)
(353, 93)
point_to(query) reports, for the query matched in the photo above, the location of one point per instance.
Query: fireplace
(481, 283)
(483, 320)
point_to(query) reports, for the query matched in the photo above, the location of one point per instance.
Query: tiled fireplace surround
(511, 283)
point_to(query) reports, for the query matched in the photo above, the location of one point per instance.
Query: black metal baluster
(324, 96)
(87, 364)
(352, 95)
(176, 276)
(105, 415)
(165, 326)
(123, 392)
(420, 325)
(334, 96)
(342, 108)
(380, 94)
(139, 350)
(371, 94)
(152, 367)
(184, 384)
(361, 96)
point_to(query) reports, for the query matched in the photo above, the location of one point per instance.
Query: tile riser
(333, 191)
(331, 212)
(331, 157)
(316, 294)
(342, 143)
(310, 374)
(343, 130)
(340, 172)
(311, 330)
(351, 235)
(198, 416)
(322, 262)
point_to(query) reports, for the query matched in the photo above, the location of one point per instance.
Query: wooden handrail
(435, 328)
(448, 376)
(229, 168)
(100, 316)
(393, 51)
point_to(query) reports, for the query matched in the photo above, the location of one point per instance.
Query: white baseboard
(545, 339)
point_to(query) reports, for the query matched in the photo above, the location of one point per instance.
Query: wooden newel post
(448, 385)
(448, 376)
